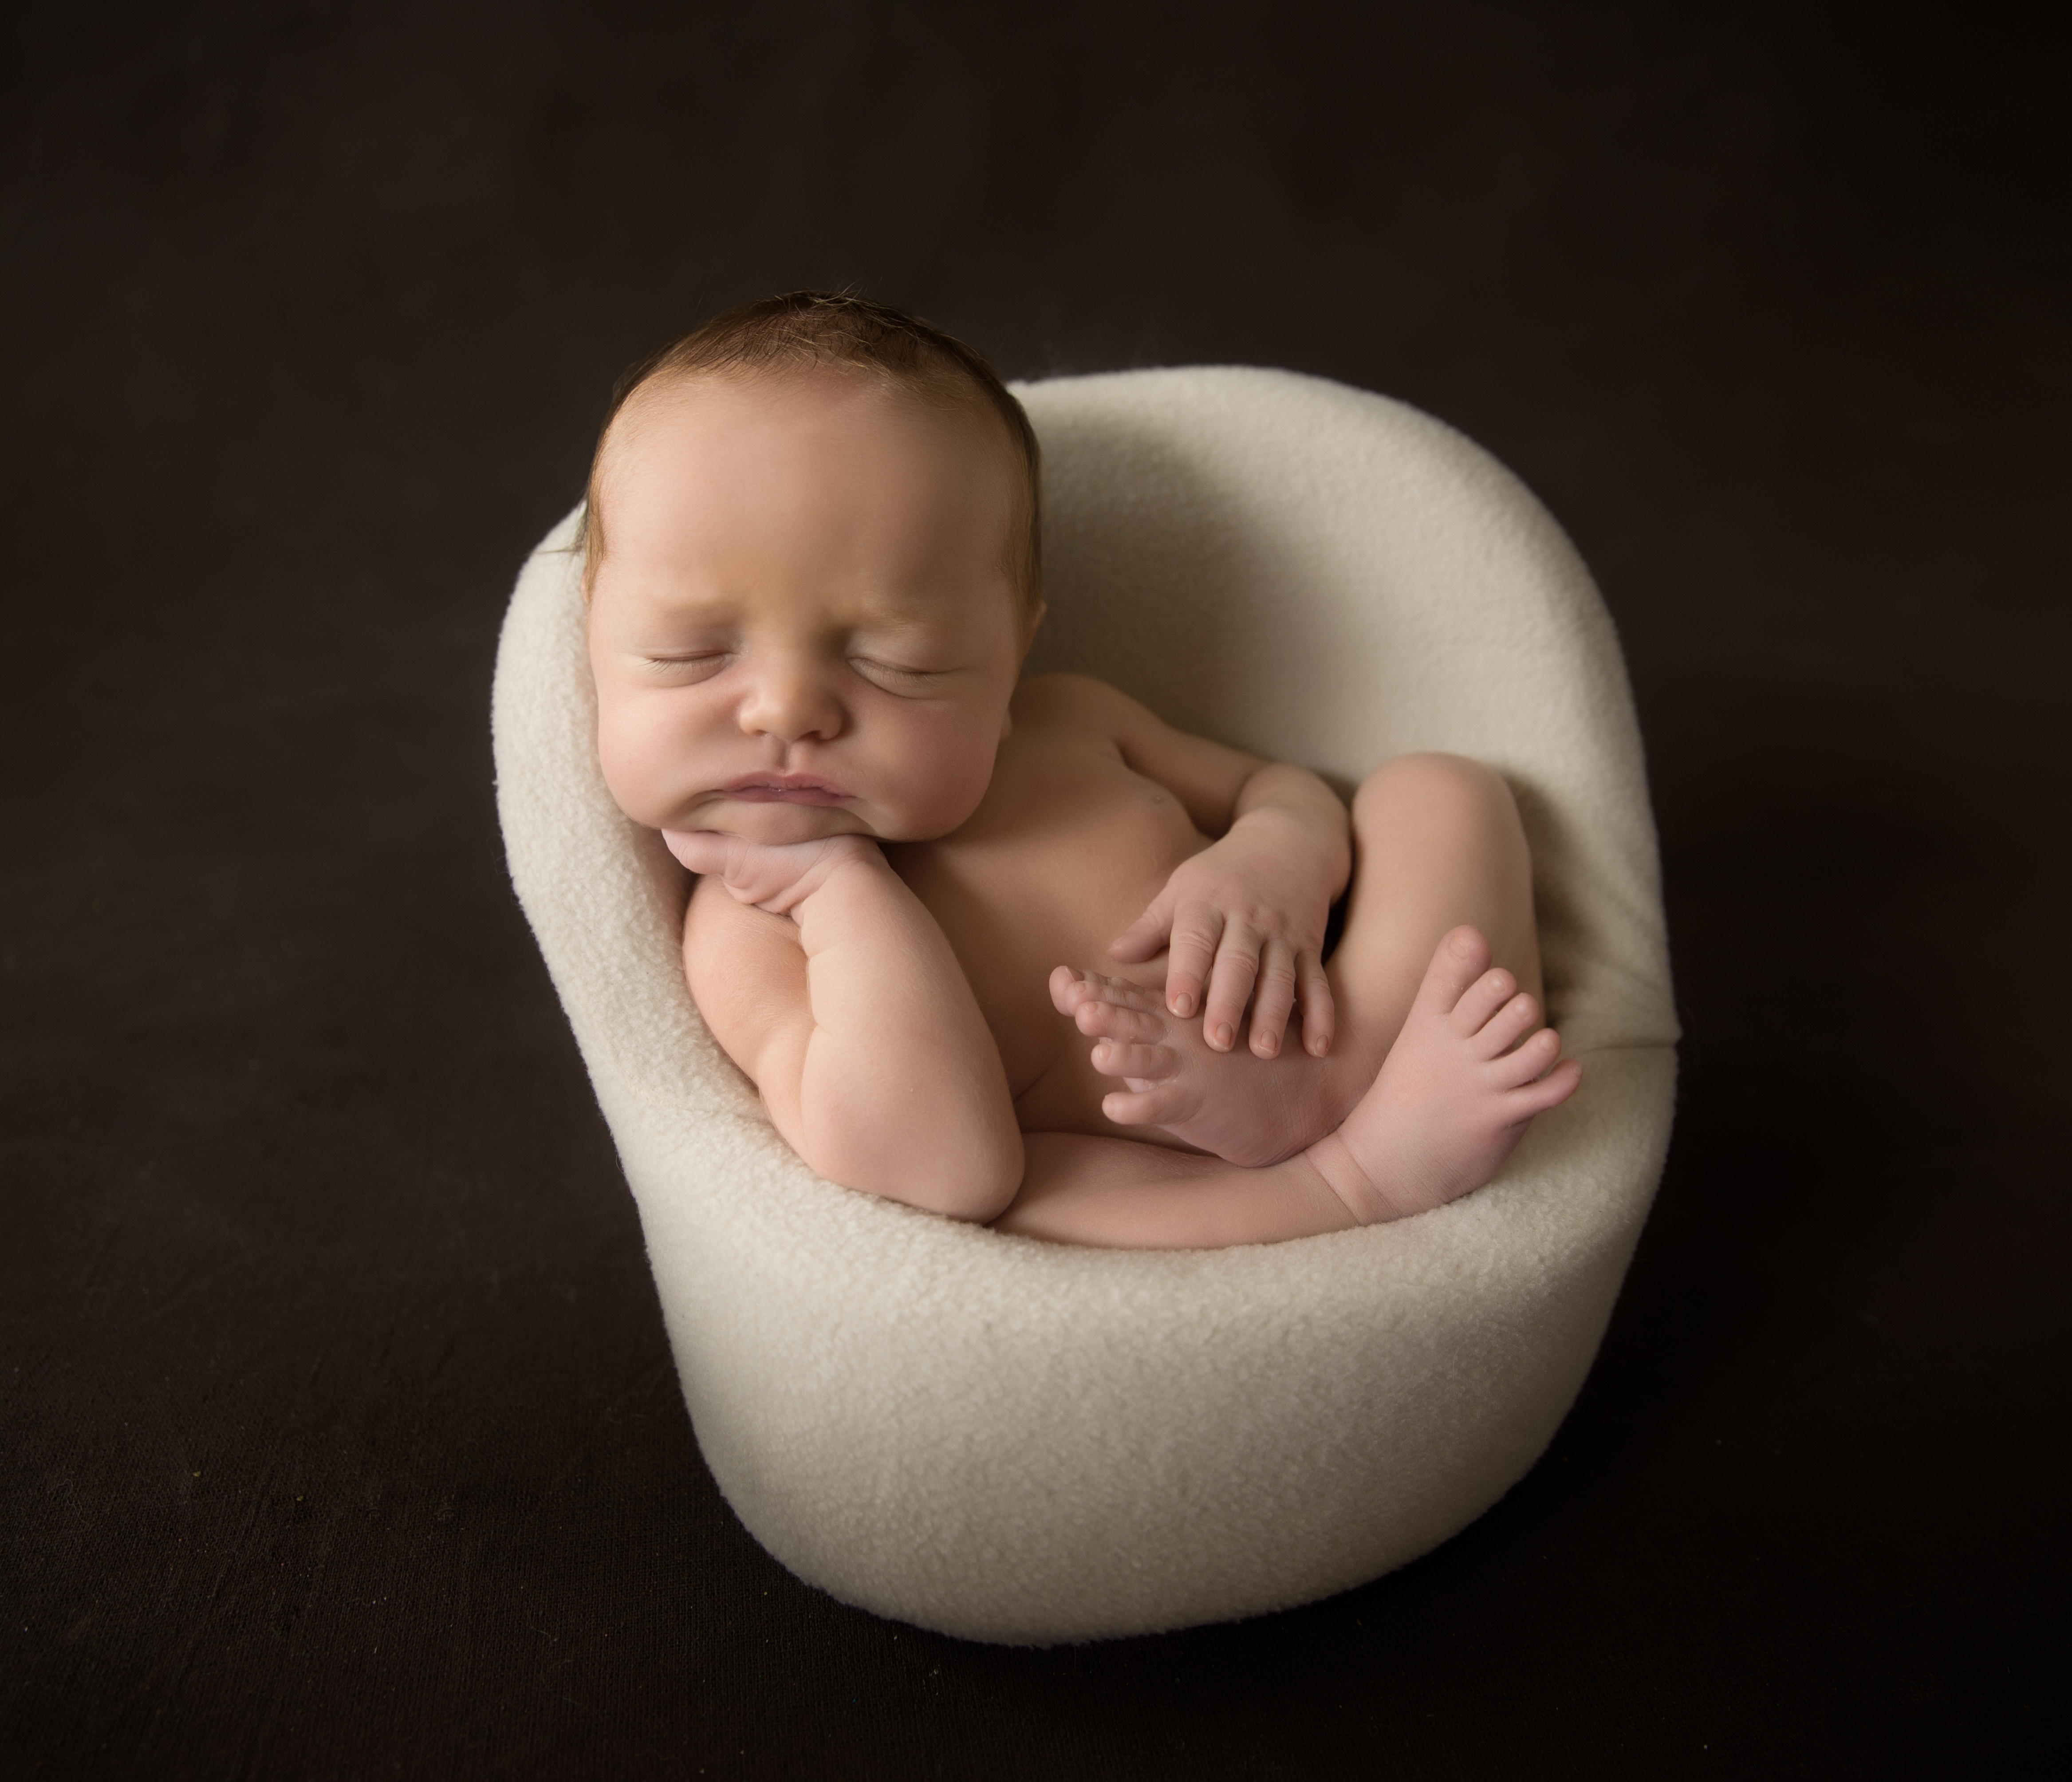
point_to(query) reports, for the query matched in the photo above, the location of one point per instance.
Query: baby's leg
(1118, 1194)
(1454, 1095)
(1436, 844)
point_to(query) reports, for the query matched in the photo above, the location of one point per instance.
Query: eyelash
(712, 660)
(893, 669)
(866, 665)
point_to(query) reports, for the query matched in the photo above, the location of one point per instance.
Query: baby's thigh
(1438, 843)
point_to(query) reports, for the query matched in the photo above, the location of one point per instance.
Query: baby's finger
(1196, 934)
(1236, 970)
(751, 875)
(1143, 938)
(700, 851)
(1274, 1000)
(1320, 1014)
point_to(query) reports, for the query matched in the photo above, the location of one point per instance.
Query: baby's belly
(1016, 909)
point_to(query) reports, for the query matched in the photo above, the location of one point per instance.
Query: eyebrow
(671, 605)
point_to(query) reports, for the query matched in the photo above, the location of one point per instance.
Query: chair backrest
(1327, 577)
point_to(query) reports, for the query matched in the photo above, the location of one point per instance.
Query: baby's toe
(1123, 994)
(1515, 1069)
(1068, 990)
(1461, 957)
(1114, 1021)
(1119, 1058)
(1509, 1024)
(1550, 1091)
(1482, 999)
(1160, 1105)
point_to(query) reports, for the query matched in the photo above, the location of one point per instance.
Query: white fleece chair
(1017, 1441)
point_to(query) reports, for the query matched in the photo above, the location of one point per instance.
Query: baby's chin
(773, 826)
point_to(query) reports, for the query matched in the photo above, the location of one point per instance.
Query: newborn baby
(925, 882)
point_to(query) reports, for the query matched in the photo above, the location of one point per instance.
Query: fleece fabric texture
(1023, 1442)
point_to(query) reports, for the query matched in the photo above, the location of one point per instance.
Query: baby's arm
(828, 982)
(1249, 910)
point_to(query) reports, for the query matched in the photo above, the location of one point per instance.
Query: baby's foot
(1455, 1094)
(1242, 1108)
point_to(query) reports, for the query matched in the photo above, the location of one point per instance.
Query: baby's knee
(975, 1196)
(1438, 785)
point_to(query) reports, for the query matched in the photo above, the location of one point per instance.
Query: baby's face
(803, 624)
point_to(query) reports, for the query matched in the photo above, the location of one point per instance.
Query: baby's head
(810, 553)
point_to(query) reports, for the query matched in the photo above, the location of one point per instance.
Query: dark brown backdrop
(338, 1433)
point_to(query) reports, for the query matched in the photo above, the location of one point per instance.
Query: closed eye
(897, 676)
(691, 667)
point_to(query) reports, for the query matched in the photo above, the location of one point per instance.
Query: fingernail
(1224, 1036)
(1267, 1045)
(1183, 1005)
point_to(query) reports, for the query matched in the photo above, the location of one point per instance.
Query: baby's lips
(784, 789)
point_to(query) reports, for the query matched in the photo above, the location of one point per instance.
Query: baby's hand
(1245, 917)
(776, 879)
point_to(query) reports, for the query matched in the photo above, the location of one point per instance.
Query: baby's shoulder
(1076, 702)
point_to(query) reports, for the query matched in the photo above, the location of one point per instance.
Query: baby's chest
(1066, 852)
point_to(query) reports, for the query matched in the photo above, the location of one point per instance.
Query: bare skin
(1454, 1095)
(1439, 841)
(806, 645)
(1094, 808)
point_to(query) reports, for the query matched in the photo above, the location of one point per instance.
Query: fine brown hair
(807, 330)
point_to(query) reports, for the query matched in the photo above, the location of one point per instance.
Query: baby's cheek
(635, 752)
(947, 770)
(613, 756)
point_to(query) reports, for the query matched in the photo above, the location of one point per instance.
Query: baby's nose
(791, 703)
